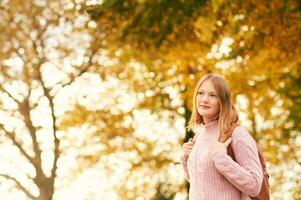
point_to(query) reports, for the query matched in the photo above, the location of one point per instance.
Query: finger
(187, 148)
(190, 142)
(187, 152)
(227, 142)
(185, 144)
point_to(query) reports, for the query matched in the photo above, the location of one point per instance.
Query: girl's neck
(207, 121)
(210, 126)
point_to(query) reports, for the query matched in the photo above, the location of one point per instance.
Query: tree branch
(42, 58)
(25, 111)
(85, 68)
(20, 186)
(18, 168)
(13, 139)
(10, 95)
(56, 140)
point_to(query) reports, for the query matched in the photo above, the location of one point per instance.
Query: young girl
(211, 172)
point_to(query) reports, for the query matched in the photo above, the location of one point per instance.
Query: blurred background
(95, 95)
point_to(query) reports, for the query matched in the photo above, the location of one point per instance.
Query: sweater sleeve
(246, 173)
(184, 165)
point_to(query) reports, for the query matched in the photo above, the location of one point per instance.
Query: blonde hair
(227, 113)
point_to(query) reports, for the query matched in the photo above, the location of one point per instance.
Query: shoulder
(243, 143)
(241, 135)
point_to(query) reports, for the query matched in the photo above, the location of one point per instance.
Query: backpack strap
(262, 161)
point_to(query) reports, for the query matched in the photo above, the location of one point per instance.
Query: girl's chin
(207, 116)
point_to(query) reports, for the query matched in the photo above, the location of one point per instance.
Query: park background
(95, 95)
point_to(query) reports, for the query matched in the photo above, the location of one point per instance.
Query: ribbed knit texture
(219, 177)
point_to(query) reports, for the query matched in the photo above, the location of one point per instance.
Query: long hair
(227, 114)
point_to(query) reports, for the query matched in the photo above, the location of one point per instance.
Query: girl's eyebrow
(210, 92)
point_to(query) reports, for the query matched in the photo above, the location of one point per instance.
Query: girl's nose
(204, 98)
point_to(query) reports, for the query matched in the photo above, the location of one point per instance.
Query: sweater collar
(210, 125)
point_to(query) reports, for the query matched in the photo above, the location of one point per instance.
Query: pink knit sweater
(219, 177)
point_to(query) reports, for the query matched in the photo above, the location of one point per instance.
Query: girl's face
(207, 102)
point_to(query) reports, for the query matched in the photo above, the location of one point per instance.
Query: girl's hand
(187, 147)
(216, 146)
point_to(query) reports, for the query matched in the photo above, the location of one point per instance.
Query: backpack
(264, 192)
